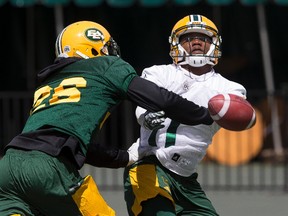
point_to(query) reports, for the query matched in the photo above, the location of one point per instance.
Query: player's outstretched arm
(154, 98)
(105, 156)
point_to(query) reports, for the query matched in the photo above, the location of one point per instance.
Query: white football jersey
(181, 147)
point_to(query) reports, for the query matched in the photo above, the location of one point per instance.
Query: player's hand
(154, 120)
(136, 152)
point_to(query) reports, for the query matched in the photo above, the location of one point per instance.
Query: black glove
(154, 120)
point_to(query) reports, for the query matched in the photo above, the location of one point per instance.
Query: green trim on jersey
(171, 134)
(77, 99)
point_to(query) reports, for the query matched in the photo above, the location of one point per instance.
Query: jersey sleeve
(148, 95)
(230, 87)
(119, 75)
(237, 89)
(154, 74)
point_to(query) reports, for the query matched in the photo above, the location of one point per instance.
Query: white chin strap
(195, 60)
(81, 54)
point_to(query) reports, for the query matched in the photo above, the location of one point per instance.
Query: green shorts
(34, 183)
(151, 189)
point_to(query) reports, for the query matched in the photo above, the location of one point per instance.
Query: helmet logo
(94, 34)
(66, 49)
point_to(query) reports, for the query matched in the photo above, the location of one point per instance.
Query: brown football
(232, 112)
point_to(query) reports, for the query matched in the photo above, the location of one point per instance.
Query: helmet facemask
(112, 48)
(201, 59)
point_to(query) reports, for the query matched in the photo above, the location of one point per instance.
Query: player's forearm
(101, 156)
(154, 98)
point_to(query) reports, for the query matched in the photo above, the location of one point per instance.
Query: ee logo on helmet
(94, 34)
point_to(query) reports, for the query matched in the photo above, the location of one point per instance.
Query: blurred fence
(235, 160)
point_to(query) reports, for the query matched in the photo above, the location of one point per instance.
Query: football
(232, 112)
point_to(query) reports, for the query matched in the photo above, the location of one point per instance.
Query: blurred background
(254, 47)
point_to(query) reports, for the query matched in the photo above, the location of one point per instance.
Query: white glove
(136, 152)
(154, 120)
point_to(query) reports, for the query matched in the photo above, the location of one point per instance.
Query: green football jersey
(77, 99)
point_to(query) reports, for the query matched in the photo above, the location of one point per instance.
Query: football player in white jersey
(165, 182)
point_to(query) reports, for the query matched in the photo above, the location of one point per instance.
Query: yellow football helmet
(199, 24)
(85, 39)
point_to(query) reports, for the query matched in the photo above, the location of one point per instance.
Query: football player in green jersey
(39, 171)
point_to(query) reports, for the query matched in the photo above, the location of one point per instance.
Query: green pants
(152, 190)
(34, 183)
